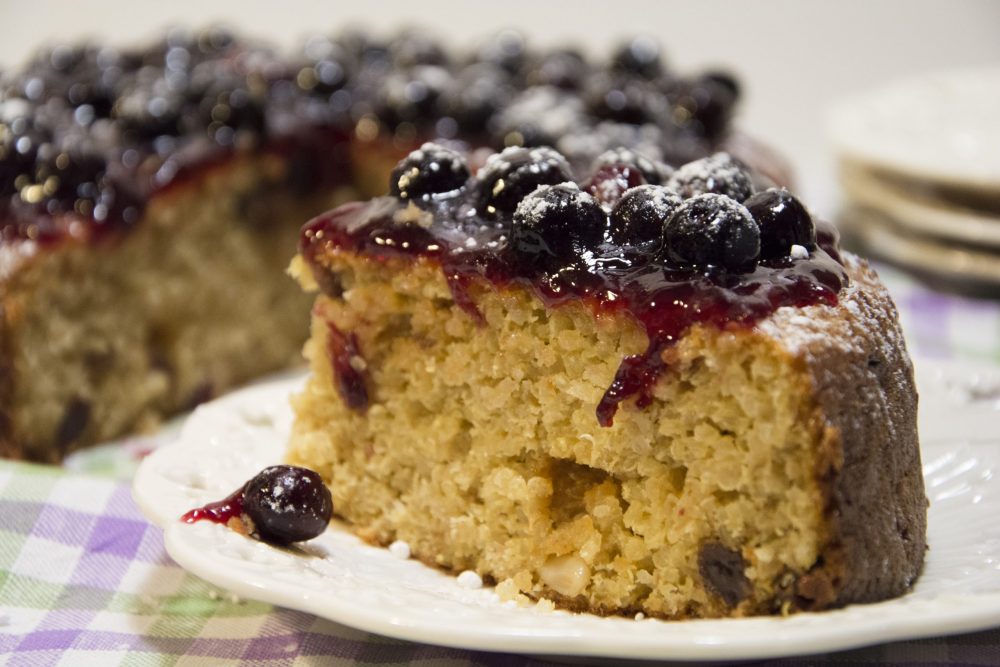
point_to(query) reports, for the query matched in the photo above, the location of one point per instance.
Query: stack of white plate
(920, 168)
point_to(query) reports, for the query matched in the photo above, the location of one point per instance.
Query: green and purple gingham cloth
(85, 580)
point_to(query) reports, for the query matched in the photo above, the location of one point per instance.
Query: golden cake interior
(105, 337)
(481, 449)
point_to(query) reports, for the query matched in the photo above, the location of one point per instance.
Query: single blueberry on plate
(287, 504)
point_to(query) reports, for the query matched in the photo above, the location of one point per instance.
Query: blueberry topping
(653, 171)
(640, 56)
(712, 230)
(429, 174)
(287, 504)
(720, 174)
(510, 176)
(639, 216)
(783, 222)
(555, 224)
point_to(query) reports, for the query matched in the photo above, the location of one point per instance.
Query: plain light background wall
(795, 58)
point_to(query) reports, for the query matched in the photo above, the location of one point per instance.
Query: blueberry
(712, 230)
(705, 105)
(625, 100)
(507, 50)
(429, 174)
(476, 93)
(414, 47)
(145, 112)
(639, 216)
(719, 174)
(555, 224)
(287, 504)
(783, 222)
(653, 171)
(510, 176)
(639, 56)
(413, 95)
(562, 68)
(610, 182)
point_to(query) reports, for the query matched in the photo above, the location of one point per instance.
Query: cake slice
(623, 396)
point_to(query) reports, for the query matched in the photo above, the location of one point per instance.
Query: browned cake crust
(874, 506)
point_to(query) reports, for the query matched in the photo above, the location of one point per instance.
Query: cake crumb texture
(99, 339)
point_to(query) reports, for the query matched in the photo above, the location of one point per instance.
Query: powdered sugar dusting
(533, 208)
(847, 325)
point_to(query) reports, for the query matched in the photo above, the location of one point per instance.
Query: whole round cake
(150, 199)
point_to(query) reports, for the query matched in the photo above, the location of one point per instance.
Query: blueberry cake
(150, 199)
(636, 390)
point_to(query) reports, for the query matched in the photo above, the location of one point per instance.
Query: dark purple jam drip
(666, 300)
(220, 511)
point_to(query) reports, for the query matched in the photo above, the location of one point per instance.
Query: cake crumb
(470, 579)
(545, 605)
(509, 592)
(400, 549)
(640, 616)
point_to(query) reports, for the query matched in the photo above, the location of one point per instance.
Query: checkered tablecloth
(84, 579)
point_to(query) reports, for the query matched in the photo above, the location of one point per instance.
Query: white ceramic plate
(338, 577)
(938, 126)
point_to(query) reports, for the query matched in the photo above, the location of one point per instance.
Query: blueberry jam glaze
(666, 298)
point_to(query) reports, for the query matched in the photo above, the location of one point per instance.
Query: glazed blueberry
(625, 100)
(719, 174)
(712, 230)
(413, 47)
(287, 504)
(510, 176)
(476, 93)
(428, 174)
(705, 104)
(653, 171)
(640, 56)
(146, 112)
(555, 224)
(639, 216)
(783, 222)
(562, 68)
(413, 95)
(506, 50)
(610, 182)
